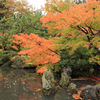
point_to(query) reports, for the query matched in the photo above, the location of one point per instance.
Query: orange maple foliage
(77, 96)
(41, 70)
(80, 25)
(75, 15)
(40, 50)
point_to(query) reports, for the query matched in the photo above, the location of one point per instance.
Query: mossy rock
(65, 81)
(48, 86)
(18, 61)
(65, 77)
(72, 89)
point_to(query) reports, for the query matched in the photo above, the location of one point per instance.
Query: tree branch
(90, 29)
(84, 30)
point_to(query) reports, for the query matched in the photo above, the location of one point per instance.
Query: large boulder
(72, 89)
(18, 62)
(68, 70)
(65, 77)
(48, 86)
(89, 92)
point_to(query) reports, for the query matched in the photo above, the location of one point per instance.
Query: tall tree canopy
(20, 7)
(56, 5)
(30, 23)
(79, 26)
(11, 7)
(59, 5)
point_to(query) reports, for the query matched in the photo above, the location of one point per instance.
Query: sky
(37, 3)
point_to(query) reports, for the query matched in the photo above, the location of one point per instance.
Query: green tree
(40, 50)
(6, 25)
(29, 23)
(9, 25)
(79, 27)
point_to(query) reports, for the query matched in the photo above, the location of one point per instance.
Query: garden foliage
(72, 30)
(78, 27)
(40, 50)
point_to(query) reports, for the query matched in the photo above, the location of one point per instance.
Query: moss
(18, 61)
(48, 86)
(22, 57)
(65, 80)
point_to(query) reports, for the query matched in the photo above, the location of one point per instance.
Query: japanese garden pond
(24, 84)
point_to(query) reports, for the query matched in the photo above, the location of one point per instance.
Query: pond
(24, 84)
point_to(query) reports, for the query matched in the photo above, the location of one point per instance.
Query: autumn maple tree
(11, 7)
(78, 26)
(51, 8)
(56, 5)
(40, 50)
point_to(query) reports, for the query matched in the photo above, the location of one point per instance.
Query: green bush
(79, 60)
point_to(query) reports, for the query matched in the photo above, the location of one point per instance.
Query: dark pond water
(21, 84)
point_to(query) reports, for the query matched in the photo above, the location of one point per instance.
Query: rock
(98, 88)
(89, 92)
(72, 89)
(68, 70)
(18, 62)
(48, 86)
(65, 78)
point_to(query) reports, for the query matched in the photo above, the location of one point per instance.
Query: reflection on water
(21, 84)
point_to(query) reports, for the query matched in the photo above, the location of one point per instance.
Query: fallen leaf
(38, 90)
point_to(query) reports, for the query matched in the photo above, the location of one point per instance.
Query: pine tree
(29, 23)
(6, 25)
